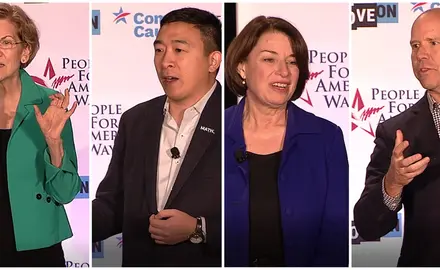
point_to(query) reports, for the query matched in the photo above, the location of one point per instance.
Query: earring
(243, 82)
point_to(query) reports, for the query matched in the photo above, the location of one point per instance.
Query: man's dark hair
(209, 25)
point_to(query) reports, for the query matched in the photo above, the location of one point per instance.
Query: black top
(51, 256)
(266, 236)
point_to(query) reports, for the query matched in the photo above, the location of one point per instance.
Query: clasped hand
(171, 226)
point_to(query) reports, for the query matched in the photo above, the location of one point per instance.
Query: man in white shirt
(163, 185)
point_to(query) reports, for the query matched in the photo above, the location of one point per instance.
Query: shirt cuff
(204, 228)
(391, 202)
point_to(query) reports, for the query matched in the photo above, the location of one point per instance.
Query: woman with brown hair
(286, 170)
(38, 164)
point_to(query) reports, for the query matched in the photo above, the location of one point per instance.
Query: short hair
(247, 39)
(209, 25)
(26, 29)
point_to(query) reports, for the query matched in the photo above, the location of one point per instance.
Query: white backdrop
(326, 93)
(63, 62)
(123, 76)
(325, 28)
(383, 85)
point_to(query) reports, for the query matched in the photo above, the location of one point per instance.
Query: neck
(11, 86)
(435, 94)
(178, 107)
(257, 116)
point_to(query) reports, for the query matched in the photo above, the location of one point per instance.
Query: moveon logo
(370, 14)
(84, 191)
(98, 250)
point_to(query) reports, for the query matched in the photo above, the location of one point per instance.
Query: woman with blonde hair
(38, 164)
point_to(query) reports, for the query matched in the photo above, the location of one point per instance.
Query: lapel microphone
(241, 156)
(175, 153)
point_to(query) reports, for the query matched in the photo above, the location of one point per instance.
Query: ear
(241, 69)
(25, 54)
(215, 59)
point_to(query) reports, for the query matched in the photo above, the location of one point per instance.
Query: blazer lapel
(422, 133)
(152, 131)
(297, 124)
(201, 140)
(423, 138)
(30, 95)
(234, 131)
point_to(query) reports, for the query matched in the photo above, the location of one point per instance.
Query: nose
(283, 69)
(168, 59)
(422, 52)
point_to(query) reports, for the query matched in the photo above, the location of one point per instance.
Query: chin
(3, 77)
(429, 85)
(277, 102)
(176, 97)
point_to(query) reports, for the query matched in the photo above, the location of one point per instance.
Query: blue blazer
(313, 191)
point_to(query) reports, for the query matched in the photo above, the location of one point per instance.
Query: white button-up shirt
(171, 136)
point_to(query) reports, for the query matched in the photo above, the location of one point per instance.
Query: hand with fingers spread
(53, 120)
(171, 226)
(403, 170)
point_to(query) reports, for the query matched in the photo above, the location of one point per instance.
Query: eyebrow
(273, 52)
(428, 39)
(179, 41)
(7, 36)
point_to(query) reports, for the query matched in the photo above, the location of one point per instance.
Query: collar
(199, 106)
(30, 94)
(298, 122)
(432, 103)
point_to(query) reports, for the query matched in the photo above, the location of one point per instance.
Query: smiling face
(11, 54)
(270, 70)
(425, 56)
(183, 67)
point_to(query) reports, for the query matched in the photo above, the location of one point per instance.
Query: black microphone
(241, 156)
(175, 153)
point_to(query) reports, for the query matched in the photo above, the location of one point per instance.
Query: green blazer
(37, 189)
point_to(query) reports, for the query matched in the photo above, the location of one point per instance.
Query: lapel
(152, 131)
(201, 140)
(422, 133)
(234, 131)
(30, 95)
(423, 138)
(298, 122)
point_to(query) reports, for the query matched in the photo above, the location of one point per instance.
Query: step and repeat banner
(382, 86)
(123, 76)
(325, 28)
(63, 62)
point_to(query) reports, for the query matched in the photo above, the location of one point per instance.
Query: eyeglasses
(8, 43)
